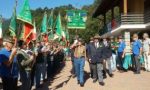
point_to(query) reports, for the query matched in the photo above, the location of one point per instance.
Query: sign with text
(76, 19)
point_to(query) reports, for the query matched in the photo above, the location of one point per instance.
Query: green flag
(1, 33)
(12, 26)
(50, 21)
(51, 35)
(67, 35)
(58, 26)
(21, 35)
(44, 24)
(25, 14)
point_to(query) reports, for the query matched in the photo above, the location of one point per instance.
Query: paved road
(121, 81)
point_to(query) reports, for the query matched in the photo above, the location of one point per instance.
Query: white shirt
(146, 44)
(96, 44)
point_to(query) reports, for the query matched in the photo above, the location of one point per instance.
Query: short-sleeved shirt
(136, 47)
(146, 44)
(79, 51)
(121, 46)
(7, 71)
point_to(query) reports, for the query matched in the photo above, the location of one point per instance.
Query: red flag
(27, 32)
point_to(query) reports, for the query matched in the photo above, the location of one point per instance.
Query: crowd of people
(38, 61)
(106, 55)
(32, 63)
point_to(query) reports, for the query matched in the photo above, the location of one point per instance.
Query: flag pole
(15, 37)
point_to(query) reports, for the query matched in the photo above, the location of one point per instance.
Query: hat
(91, 38)
(96, 36)
(9, 39)
(80, 40)
(112, 37)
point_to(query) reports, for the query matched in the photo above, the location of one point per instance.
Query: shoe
(94, 81)
(40, 86)
(148, 70)
(74, 76)
(121, 71)
(81, 84)
(78, 82)
(111, 75)
(104, 77)
(45, 80)
(101, 83)
(125, 70)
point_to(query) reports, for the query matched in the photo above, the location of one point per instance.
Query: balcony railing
(147, 16)
(124, 19)
(132, 19)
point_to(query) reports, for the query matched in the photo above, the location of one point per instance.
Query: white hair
(4, 43)
(146, 34)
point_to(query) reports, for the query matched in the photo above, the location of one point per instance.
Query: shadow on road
(51, 80)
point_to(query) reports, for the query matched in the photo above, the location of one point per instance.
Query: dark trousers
(93, 70)
(137, 63)
(100, 71)
(9, 83)
(49, 69)
(25, 79)
(32, 76)
(120, 60)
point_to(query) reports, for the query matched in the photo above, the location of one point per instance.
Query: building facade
(134, 16)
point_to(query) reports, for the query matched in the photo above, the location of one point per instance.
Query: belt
(80, 57)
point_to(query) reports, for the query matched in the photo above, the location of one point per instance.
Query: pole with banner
(76, 19)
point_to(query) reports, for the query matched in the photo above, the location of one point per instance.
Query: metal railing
(132, 19)
(147, 16)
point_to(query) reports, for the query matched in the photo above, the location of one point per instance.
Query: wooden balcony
(132, 19)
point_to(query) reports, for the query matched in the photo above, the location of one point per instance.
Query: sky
(6, 6)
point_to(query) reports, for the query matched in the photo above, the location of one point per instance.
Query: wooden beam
(125, 6)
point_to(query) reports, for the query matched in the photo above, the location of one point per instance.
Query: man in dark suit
(95, 59)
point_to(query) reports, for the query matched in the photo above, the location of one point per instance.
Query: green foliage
(93, 25)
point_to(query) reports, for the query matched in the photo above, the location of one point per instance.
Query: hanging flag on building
(26, 17)
(44, 24)
(1, 33)
(12, 26)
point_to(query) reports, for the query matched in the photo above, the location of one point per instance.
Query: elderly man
(8, 68)
(146, 50)
(25, 59)
(92, 48)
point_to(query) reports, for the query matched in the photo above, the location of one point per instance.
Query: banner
(76, 19)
